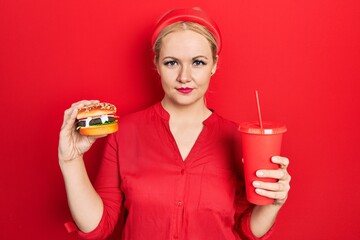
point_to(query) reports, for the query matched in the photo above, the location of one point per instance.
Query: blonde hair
(181, 26)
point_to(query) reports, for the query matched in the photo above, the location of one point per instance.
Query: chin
(187, 101)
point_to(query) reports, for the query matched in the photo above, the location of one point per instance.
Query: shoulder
(137, 117)
(222, 128)
(225, 123)
(133, 125)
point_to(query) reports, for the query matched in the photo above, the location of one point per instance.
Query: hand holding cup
(279, 189)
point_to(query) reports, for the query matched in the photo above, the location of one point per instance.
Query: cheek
(203, 77)
(166, 80)
(169, 75)
(165, 77)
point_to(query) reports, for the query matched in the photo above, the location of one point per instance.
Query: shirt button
(182, 171)
(179, 203)
(175, 236)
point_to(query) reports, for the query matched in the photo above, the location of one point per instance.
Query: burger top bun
(96, 109)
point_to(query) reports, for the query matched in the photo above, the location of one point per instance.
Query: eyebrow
(199, 56)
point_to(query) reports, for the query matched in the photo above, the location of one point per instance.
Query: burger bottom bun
(99, 129)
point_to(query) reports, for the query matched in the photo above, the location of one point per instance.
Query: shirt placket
(180, 189)
(179, 204)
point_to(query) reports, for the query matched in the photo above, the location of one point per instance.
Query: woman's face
(185, 66)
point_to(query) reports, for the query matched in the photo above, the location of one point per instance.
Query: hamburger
(97, 119)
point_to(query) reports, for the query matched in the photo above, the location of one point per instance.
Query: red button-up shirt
(166, 197)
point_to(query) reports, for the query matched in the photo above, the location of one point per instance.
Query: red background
(302, 56)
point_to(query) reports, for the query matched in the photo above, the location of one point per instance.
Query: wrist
(263, 218)
(70, 163)
(274, 207)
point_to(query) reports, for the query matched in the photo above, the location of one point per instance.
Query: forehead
(185, 43)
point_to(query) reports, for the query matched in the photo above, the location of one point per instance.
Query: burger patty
(94, 121)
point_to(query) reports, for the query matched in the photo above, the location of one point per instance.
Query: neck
(194, 112)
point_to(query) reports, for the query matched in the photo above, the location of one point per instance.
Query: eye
(170, 63)
(199, 62)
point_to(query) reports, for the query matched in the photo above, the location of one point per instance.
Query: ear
(157, 68)
(213, 70)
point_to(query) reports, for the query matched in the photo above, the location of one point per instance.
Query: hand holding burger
(92, 119)
(97, 119)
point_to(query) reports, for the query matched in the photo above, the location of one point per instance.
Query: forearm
(85, 204)
(263, 218)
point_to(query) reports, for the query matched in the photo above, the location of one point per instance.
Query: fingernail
(256, 184)
(259, 173)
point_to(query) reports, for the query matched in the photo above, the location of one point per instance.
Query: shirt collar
(166, 116)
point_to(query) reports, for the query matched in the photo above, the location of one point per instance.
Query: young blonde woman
(175, 167)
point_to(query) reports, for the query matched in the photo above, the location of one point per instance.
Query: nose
(184, 75)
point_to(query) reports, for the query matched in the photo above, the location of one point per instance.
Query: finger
(282, 161)
(83, 103)
(277, 186)
(67, 114)
(271, 194)
(276, 174)
(69, 119)
(70, 114)
(93, 138)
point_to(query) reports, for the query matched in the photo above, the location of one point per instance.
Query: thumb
(92, 139)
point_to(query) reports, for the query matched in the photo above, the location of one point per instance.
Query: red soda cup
(258, 146)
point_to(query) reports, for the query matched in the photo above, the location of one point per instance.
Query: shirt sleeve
(243, 213)
(107, 185)
(244, 227)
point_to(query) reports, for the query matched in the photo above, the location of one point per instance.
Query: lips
(184, 90)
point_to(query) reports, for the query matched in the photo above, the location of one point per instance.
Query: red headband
(187, 15)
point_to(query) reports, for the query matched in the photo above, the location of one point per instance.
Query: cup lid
(268, 128)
